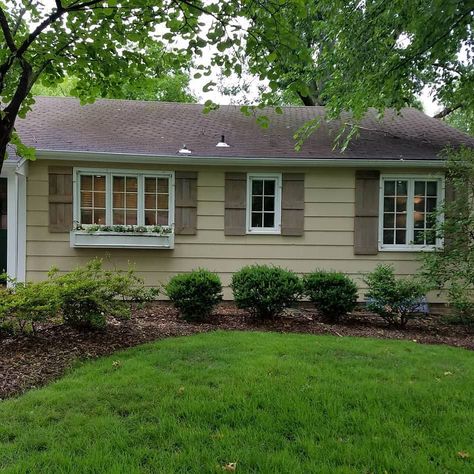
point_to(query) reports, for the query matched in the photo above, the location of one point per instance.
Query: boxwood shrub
(265, 291)
(334, 294)
(195, 294)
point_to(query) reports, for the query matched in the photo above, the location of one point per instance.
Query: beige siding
(327, 241)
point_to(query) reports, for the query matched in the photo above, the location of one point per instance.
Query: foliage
(265, 291)
(195, 294)
(334, 294)
(82, 298)
(354, 55)
(396, 300)
(170, 87)
(253, 398)
(124, 229)
(90, 294)
(463, 120)
(452, 268)
(24, 305)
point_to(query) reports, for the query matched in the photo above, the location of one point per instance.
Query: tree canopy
(349, 55)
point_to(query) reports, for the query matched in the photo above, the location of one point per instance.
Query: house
(168, 189)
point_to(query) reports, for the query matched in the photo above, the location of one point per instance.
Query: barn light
(222, 143)
(184, 150)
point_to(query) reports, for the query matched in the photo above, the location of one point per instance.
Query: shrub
(83, 298)
(24, 305)
(451, 268)
(90, 294)
(265, 291)
(195, 294)
(334, 294)
(395, 300)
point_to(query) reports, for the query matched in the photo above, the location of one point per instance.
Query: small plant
(89, 294)
(334, 294)
(265, 291)
(195, 294)
(396, 300)
(24, 305)
(130, 229)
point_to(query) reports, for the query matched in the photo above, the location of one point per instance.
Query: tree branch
(7, 32)
(448, 110)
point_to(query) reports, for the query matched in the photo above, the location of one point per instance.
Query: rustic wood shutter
(235, 203)
(186, 203)
(60, 198)
(292, 204)
(366, 220)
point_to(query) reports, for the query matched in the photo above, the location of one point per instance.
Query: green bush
(396, 300)
(24, 305)
(90, 294)
(195, 294)
(83, 298)
(265, 291)
(334, 294)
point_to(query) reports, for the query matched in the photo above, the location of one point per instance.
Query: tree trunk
(6, 129)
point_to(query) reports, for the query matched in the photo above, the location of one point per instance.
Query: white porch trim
(16, 172)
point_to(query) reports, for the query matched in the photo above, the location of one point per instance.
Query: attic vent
(184, 150)
(222, 143)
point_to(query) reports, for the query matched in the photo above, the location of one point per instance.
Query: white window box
(135, 240)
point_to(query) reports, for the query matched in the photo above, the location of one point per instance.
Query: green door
(3, 225)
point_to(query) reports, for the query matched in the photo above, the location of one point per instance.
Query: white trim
(140, 174)
(236, 161)
(16, 173)
(276, 229)
(411, 178)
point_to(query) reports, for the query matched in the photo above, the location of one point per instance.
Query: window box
(136, 240)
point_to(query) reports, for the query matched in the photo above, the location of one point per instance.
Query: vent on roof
(184, 150)
(222, 143)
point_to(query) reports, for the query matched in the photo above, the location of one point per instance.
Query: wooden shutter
(235, 203)
(292, 204)
(60, 198)
(366, 220)
(186, 203)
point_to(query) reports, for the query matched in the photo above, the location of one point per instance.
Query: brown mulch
(31, 361)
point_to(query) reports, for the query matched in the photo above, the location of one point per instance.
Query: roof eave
(107, 157)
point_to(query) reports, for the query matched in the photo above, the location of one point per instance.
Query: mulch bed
(31, 361)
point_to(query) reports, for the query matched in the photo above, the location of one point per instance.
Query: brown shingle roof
(160, 129)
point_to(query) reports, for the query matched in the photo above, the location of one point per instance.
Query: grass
(271, 403)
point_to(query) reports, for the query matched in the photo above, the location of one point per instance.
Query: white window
(123, 198)
(263, 203)
(408, 212)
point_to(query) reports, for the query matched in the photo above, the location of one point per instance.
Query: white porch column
(15, 172)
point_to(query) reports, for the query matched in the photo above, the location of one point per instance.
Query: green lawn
(271, 403)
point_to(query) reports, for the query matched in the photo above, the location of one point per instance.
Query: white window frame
(109, 172)
(276, 229)
(409, 247)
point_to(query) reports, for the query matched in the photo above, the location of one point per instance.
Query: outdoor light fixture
(184, 150)
(222, 143)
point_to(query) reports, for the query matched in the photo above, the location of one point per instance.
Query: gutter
(236, 161)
